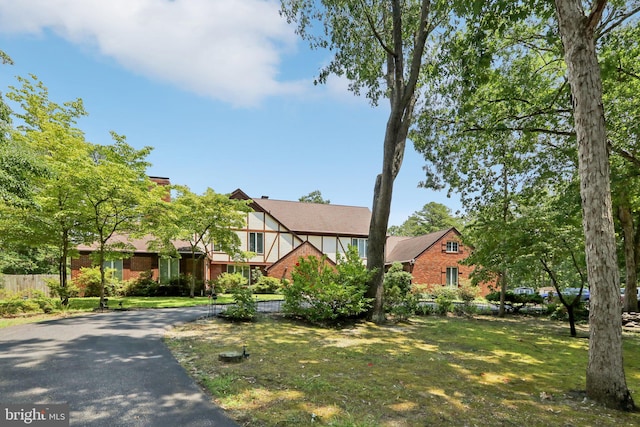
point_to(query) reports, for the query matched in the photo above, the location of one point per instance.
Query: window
(452, 277)
(452, 247)
(245, 270)
(115, 264)
(256, 243)
(217, 247)
(361, 244)
(169, 269)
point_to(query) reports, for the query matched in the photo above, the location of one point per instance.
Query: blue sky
(222, 89)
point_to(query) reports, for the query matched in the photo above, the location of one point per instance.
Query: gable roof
(405, 249)
(306, 248)
(315, 218)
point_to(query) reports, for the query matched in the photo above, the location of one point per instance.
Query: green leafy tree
(116, 191)
(528, 78)
(314, 197)
(380, 46)
(202, 221)
(621, 83)
(19, 166)
(606, 381)
(433, 217)
(48, 129)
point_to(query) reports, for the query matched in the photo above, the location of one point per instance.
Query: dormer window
(452, 247)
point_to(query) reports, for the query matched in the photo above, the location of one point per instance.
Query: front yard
(440, 371)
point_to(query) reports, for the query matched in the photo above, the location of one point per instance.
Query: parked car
(549, 293)
(524, 291)
(575, 291)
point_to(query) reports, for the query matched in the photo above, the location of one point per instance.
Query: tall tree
(48, 129)
(506, 75)
(621, 83)
(432, 217)
(18, 165)
(116, 191)
(606, 381)
(380, 46)
(202, 221)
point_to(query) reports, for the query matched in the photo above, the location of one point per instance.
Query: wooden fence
(25, 283)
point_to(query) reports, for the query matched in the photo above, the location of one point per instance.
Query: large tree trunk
(605, 371)
(62, 268)
(630, 303)
(393, 151)
(402, 99)
(503, 293)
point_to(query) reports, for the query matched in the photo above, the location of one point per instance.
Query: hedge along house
(433, 259)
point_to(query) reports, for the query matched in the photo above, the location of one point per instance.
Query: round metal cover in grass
(231, 356)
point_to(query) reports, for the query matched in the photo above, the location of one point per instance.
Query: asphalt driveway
(111, 368)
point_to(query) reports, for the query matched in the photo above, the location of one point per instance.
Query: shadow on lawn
(431, 371)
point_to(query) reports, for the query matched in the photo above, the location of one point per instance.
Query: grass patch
(429, 371)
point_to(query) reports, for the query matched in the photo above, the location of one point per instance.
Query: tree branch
(418, 51)
(605, 28)
(624, 154)
(597, 9)
(376, 34)
(521, 129)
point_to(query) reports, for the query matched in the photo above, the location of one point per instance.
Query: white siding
(329, 247)
(256, 221)
(220, 257)
(315, 241)
(286, 243)
(271, 224)
(344, 244)
(271, 247)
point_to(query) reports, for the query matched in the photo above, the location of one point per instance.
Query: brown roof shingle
(406, 249)
(318, 218)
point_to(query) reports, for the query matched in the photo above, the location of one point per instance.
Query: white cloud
(229, 50)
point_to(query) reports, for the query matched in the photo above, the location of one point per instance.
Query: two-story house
(278, 232)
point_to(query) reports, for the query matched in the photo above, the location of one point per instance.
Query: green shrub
(266, 285)
(398, 298)
(56, 290)
(142, 286)
(320, 293)
(444, 297)
(88, 282)
(559, 312)
(177, 287)
(17, 303)
(229, 282)
(48, 305)
(467, 293)
(245, 307)
(425, 309)
(517, 301)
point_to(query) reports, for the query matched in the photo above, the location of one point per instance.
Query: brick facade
(131, 267)
(139, 263)
(282, 268)
(430, 267)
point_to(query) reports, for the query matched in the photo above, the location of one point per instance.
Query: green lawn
(431, 371)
